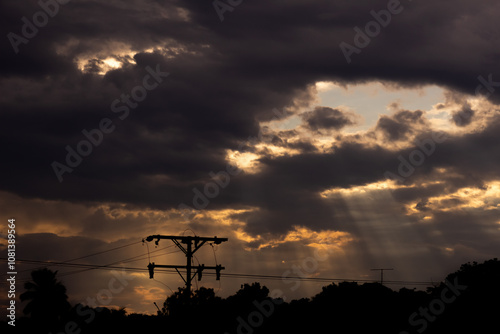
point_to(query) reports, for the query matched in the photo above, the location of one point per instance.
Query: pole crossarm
(178, 245)
(186, 239)
(199, 269)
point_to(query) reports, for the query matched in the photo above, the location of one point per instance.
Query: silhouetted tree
(202, 305)
(249, 293)
(177, 302)
(464, 303)
(475, 291)
(201, 299)
(46, 297)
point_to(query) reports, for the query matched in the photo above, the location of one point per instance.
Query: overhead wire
(132, 259)
(87, 267)
(89, 255)
(112, 263)
(147, 244)
(102, 252)
(227, 275)
(190, 229)
(216, 264)
(154, 279)
(195, 281)
(128, 260)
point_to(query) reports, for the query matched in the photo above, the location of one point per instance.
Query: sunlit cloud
(245, 237)
(246, 161)
(314, 179)
(321, 240)
(325, 86)
(275, 151)
(487, 198)
(361, 190)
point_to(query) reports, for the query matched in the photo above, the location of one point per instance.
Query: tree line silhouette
(466, 302)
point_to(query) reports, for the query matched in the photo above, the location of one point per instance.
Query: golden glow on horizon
(149, 295)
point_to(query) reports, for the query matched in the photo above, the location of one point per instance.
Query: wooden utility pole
(382, 273)
(189, 241)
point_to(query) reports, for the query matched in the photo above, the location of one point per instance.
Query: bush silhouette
(346, 307)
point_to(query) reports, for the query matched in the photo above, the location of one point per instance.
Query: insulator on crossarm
(151, 268)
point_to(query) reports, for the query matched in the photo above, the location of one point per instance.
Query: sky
(367, 131)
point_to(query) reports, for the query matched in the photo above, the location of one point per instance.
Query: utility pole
(189, 241)
(382, 273)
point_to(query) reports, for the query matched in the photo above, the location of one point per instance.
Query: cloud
(401, 124)
(226, 78)
(325, 118)
(183, 129)
(464, 116)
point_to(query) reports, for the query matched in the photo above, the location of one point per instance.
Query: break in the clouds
(85, 89)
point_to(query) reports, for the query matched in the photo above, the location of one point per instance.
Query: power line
(193, 244)
(102, 252)
(215, 259)
(89, 255)
(382, 273)
(132, 259)
(227, 275)
(139, 257)
(128, 260)
(143, 256)
(320, 279)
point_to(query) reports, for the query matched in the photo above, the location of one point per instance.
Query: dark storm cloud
(303, 146)
(464, 116)
(468, 161)
(224, 76)
(473, 154)
(288, 187)
(419, 46)
(398, 126)
(288, 184)
(324, 118)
